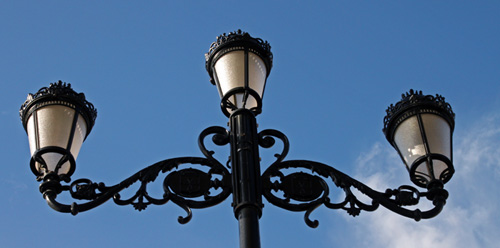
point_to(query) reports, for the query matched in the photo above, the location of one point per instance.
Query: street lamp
(239, 65)
(420, 127)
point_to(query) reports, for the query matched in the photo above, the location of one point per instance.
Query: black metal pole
(247, 189)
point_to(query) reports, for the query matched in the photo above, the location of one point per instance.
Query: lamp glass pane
(257, 73)
(79, 136)
(239, 102)
(230, 70)
(54, 124)
(423, 170)
(409, 141)
(438, 134)
(52, 159)
(439, 168)
(30, 128)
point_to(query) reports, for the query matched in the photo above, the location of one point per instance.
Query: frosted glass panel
(238, 99)
(54, 125)
(439, 167)
(257, 73)
(409, 140)
(79, 137)
(410, 143)
(52, 159)
(423, 170)
(438, 134)
(230, 69)
(31, 134)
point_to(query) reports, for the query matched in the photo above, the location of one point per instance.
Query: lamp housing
(239, 65)
(57, 121)
(420, 127)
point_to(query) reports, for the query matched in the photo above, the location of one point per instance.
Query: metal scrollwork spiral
(295, 185)
(301, 186)
(183, 185)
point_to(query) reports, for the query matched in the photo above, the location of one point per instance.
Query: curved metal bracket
(267, 140)
(304, 192)
(297, 190)
(184, 187)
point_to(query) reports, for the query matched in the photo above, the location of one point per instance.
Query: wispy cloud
(470, 217)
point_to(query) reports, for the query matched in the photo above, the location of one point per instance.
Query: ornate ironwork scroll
(182, 185)
(304, 192)
(297, 191)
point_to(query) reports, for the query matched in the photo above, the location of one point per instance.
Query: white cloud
(470, 217)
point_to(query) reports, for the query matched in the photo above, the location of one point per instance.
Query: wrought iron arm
(184, 187)
(304, 192)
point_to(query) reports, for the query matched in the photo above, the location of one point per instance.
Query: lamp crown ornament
(238, 39)
(412, 100)
(58, 93)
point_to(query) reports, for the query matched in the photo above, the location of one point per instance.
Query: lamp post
(420, 127)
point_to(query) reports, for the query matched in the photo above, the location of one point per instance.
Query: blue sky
(337, 66)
